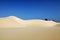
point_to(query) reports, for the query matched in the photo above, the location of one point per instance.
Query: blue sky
(31, 9)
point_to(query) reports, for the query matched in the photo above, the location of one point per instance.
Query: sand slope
(13, 28)
(13, 22)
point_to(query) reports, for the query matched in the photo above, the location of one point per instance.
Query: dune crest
(13, 21)
(10, 21)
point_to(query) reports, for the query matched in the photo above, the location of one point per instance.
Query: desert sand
(14, 28)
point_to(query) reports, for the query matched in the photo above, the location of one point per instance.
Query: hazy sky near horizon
(31, 9)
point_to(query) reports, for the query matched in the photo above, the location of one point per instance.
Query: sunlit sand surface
(13, 28)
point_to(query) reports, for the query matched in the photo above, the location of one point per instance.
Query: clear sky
(31, 9)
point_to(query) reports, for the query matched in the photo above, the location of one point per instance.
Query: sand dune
(13, 21)
(13, 28)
